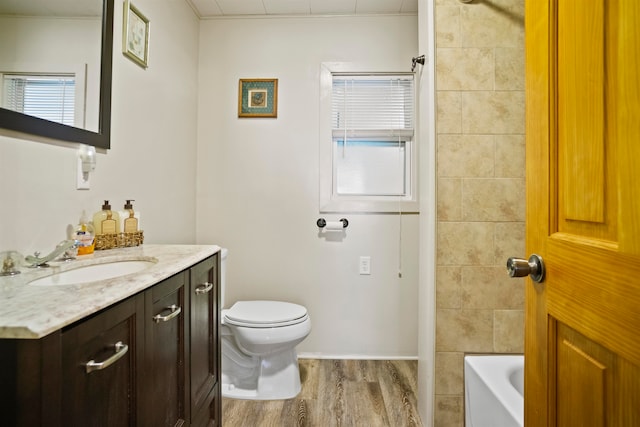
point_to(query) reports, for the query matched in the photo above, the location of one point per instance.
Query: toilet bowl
(259, 359)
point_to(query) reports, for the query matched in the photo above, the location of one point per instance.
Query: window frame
(330, 201)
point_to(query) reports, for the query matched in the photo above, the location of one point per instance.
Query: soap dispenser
(129, 218)
(84, 236)
(106, 221)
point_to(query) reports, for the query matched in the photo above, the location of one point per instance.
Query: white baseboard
(353, 356)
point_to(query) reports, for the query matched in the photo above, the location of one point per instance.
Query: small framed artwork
(258, 98)
(135, 35)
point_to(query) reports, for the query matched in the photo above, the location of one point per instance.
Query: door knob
(534, 267)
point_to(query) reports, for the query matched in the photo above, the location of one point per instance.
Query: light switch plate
(81, 183)
(365, 265)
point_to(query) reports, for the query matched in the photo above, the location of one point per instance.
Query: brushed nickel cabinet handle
(120, 350)
(175, 310)
(204, 288)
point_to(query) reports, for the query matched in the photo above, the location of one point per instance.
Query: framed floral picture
(258, 98)
(135, 35)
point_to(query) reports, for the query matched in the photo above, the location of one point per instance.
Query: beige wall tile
(449, 199)
(465, 69)
(480, 200)
(493, 112)
(448, 112)
(508, 334)
(448, 26)
(464, 330)
(491, 288)
(461, 243)
(493, 199)
(448, 287)
(510, 156)
(509, 242)
(498, 23)
(449, 373)
(466, 155)
(509, 68)
(449, 411)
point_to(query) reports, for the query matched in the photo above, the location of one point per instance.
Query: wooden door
(582, 350)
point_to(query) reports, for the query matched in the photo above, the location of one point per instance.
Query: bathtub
(494, 390)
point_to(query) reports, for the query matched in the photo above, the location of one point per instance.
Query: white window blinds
(362, 103)
(48, 97)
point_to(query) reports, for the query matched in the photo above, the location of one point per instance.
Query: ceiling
(215, 8)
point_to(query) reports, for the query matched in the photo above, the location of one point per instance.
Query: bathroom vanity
(140, 349)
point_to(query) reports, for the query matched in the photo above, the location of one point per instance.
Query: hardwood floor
(340, 393)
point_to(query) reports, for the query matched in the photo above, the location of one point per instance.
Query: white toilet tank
(223, 274)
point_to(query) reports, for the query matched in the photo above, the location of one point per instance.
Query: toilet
(259, 339)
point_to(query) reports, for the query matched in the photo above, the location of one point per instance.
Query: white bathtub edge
(493, 372)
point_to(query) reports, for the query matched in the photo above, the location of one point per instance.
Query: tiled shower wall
(480, 184)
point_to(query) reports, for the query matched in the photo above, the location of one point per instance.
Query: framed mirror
(63, 47)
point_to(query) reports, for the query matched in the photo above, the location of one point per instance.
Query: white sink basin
(93, 273)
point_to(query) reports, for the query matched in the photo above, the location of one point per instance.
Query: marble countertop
(29, 312)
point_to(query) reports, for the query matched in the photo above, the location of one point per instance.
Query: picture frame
(258, 98)
(135, 35)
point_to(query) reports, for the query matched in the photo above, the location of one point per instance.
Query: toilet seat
(265, 314)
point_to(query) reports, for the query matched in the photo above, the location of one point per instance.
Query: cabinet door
(164, 368)
(209, 415)
(205, 351)
(99, 358)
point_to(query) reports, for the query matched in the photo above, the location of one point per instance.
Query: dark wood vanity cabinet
(150, 360)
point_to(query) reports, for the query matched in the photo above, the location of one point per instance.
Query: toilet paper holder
(321, 222)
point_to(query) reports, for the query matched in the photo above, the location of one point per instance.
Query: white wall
(258, 183)
(152, 155)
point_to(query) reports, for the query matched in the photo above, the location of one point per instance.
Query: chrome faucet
(34, 261)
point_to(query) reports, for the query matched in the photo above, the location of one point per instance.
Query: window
(48, 97)
(370, 165)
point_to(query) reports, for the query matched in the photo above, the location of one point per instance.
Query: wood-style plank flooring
(340, 393)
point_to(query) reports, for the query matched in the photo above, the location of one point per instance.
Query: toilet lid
(265, 313)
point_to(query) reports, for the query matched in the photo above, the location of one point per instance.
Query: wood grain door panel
(582, 334)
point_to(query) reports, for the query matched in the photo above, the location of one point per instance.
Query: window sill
(370, 206)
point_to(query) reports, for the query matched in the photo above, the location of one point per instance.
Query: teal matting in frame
(258, 98)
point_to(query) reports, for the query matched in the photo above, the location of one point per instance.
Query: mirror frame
(102, 139)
